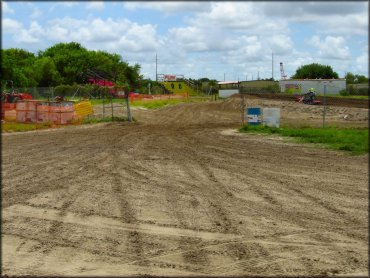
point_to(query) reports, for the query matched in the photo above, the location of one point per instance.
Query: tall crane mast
(283, 75)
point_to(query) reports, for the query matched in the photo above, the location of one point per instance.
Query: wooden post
(243, 109)
(128, 108)
(111, 106)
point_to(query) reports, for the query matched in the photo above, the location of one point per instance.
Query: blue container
(254, 115)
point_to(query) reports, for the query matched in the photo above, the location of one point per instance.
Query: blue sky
(200, 39)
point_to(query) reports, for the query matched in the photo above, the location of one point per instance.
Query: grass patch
(95, 101)
(105, 120)
(353, 140)
(349, 96)
(19, 127)
(151, 104)
(155, 104)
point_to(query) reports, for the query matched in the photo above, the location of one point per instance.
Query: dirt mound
(228, 111)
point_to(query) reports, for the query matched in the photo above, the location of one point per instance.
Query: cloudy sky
(231, 40)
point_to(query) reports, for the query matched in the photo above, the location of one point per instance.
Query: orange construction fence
(35, 111)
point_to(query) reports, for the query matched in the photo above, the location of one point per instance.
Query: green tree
(46, 73)
(313, 71)
(65, 63)
(70, 59)
(361, 79)
(17, 66)
(356, 78)
(350, 78)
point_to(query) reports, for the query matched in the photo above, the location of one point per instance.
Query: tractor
(308, 98)
(9, 100)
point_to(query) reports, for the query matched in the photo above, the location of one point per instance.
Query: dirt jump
(181, 193)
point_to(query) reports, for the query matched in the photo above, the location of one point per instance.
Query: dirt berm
(180, 192)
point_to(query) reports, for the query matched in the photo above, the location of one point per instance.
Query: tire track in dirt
(195, 175)
(128, 214)
(201, 163)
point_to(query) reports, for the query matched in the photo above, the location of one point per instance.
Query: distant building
(228, 84)
(333, 86)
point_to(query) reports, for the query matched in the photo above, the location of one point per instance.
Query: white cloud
(239, 16)
(250, 49)
(328, 17)
(11, 25)
(139, 38)
(331, 47)
(311, 11)
(68, 4)
(95, 5)
(36, 13)
(168, 7)
(280, 44)
(31, 35)
(354, 24)
(57, 33)
(120, 34)
(362, 64)
(5, 8)
(201, 39)
(63, 4)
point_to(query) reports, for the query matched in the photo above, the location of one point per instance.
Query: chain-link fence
(106, 104)
(40, 93)
(72, 92)
(298, 109)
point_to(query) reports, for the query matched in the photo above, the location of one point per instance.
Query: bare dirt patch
(178, 193)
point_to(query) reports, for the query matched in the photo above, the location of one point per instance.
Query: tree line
(64, 64)
(69, 63)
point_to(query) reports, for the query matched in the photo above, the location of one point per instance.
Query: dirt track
(180, 193)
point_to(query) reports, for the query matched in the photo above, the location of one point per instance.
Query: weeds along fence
(67, 92)
(39, 93)
(106, 107)
(329, 109)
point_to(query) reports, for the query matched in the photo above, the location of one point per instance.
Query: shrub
(352, 90)
(344, 92)
(291, 91)
(363, 91)
(275, 88)
(62, 90)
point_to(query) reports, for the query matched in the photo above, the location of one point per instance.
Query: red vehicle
(9, 99)
(308, 98)
(13, 97)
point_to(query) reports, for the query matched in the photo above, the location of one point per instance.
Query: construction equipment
(283, 75)
(308, 98)
(9, 99)
(12, 96)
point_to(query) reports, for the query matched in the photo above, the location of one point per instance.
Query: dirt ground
(181, 192)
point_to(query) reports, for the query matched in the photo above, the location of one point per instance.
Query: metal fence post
(128, 108)
(111, 106)
(242, 109)
(103, 108)
(324, 110)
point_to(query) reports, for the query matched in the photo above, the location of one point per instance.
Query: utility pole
(156, 67)
(224, 76)
(324, 110)
(258, 78)
(272, 66)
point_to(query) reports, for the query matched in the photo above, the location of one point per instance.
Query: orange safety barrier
(7, 108)
(39, 111)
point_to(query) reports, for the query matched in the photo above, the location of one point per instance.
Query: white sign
(227, 93)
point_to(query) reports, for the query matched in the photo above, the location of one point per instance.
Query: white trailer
(333, 86)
